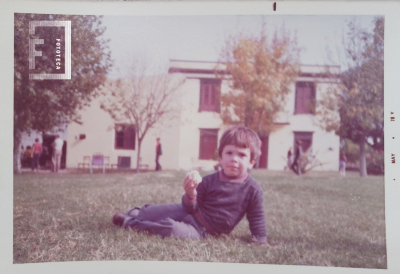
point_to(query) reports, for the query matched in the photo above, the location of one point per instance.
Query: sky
(200, 38)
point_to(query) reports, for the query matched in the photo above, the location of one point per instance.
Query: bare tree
(145, 101)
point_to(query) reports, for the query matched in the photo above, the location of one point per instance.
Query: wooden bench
(86, 162)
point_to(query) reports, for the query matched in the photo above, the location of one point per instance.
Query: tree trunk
(138, 156)
(363, 164)
(257, 165)
(17, 150)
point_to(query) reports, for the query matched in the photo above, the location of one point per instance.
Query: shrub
(376, 165)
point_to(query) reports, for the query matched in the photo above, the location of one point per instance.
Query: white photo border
(390, 10)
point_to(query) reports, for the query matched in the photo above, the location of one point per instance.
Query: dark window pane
(206, 96)
(120, 139)
(305, 98)
(209, 95)
(124, 136)
(129, 137)
(124, 161)
(208, 143)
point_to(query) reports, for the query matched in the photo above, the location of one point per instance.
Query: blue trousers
(165, 220)
(35, 160)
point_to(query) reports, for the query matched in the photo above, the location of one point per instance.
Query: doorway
(306, 141)
(45, 159)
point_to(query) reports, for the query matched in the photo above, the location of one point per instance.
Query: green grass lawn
(317, 219)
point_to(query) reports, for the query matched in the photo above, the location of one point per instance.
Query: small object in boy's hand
(195, 176)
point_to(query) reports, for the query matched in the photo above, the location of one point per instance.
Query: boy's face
(235, 161)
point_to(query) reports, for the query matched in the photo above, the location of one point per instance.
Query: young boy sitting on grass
(217, 204)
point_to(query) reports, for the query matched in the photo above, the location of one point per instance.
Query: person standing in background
(57, 152)
(27, 158)
(21, 156)
(158, 154)
(298, 152)
(44, 158)
(36, 152)
(342, 165)
(289, 158)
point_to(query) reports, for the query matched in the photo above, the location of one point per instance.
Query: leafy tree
(359, 102)
(43, 104)
(145, 101)
(260, 72)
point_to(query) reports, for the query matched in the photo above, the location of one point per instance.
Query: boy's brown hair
(242, 137)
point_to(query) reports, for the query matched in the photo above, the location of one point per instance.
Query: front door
(306, 140)
(46, 157)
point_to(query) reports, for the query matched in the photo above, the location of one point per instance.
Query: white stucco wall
(325, 145)
(191, 122)
(100, 138)
(170, 140)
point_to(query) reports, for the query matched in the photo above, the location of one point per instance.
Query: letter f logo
(32, 51)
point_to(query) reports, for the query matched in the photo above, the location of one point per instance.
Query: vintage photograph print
(251, 139)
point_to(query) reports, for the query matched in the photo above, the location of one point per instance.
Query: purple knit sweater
(221, 204)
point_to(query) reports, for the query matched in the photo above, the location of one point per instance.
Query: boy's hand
(190, 185)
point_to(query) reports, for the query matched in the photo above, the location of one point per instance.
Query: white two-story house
(191, 139)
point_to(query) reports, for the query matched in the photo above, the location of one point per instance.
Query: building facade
(190, 140)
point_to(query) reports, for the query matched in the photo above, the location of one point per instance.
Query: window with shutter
(210, 90)
(119, 139)
(208, 143)
(305, 98)
(124, 136)
(129, 137)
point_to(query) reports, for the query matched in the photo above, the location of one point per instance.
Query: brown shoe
(119, 218)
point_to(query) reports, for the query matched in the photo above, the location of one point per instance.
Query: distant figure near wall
(57, 152)
(36, 152)
(27, 157)
(289, 159)
(342, 165)
(296, 166)
(158, 154)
